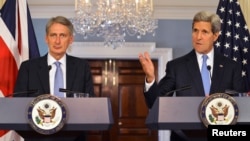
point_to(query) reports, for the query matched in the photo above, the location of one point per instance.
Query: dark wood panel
(123, 82)
(132, 103)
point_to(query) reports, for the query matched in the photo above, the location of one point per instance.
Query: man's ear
(216, 35)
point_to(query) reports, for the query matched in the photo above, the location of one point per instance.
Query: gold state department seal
(219, 109)
(47, 114)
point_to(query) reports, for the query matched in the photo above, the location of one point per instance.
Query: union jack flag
(234, 37)
(17, 43)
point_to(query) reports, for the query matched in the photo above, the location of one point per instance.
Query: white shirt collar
(52, 60)
(210, 60)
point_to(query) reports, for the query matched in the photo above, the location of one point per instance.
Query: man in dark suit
(186, 70)
(39, 74)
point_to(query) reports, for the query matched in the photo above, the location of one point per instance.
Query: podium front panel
(183, 113)
(82, 113)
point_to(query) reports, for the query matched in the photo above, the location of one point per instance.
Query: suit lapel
(194, 71)
(44, 74)
(218, 72)
(70, 71)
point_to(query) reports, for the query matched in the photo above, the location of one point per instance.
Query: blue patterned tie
(205, 75)
(58, 80)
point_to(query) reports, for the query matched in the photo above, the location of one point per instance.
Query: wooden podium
(182, 113)
(84, 114)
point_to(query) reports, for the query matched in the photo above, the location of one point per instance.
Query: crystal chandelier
(114, 19)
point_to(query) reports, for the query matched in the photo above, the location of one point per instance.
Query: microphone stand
(179, 89)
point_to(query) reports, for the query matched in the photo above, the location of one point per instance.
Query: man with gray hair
(41, 74)
(204, 70)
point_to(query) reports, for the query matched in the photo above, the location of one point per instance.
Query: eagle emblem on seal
(46, 114)
(219, 113)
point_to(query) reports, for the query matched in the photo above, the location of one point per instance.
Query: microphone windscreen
(49, 67)
(209, 67)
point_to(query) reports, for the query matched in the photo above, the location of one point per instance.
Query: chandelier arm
(113, 20)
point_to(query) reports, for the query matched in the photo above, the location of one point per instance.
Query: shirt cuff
(148, 85)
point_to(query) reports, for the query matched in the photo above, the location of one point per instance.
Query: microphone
(231, 92)
(68, 92)
(23, 93)
(49, 67)
(209, 69)
(177, 90)
(235, 93)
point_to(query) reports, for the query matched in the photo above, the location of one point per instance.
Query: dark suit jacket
(184, 71)
(34, 75)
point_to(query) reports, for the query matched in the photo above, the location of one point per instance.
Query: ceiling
(164, 9)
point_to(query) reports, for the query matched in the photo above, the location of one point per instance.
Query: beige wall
(1, 3)
(245, 8)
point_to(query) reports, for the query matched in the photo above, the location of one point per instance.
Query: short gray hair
(61, 20)
(205, 16)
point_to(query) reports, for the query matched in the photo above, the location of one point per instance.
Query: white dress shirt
(52, 71)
